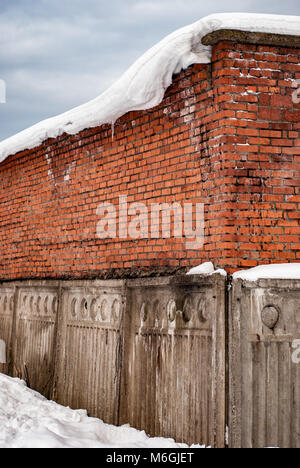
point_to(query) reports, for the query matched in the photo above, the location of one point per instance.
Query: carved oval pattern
(11, 304)
(24, 305)
(74, 307)
(144, 312)
(156, 313)
(116, 309)
(270, 316)
(5, 304)
(298, 317)
(104, 310)
(84, 308)
(31, 305)
(46, 300)
(54, 305)
(94, 309)
(38, 305)
(171, 310)
(187, 312)
(202, 311)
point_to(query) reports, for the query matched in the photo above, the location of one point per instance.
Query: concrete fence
(146, 352)
(152, 353)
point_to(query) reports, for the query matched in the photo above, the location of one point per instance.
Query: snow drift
(28, 420)
(143, 86)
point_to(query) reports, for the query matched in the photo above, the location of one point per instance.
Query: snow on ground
(206, 269)
(143, 86)
(28, 420)
(275, 271)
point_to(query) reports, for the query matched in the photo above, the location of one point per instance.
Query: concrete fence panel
(6, 325)
(174, 379)
(264, 393)
(88, 359)
(36, 307)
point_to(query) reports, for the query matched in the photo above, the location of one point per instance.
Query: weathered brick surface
(259, 150)
(226, 134)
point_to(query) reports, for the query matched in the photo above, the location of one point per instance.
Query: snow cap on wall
(288, 271)
(143, 86)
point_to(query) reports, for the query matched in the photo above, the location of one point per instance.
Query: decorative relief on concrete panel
(270, 316)
(116, 309)
(187, 312)
(37, 304)
(171, 310)
(203, 310)
(94, 308)
(6, 302)
(188, 309)
(144, 312)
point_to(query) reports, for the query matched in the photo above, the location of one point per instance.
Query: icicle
(112, 131)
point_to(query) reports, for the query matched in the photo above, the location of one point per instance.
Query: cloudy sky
(57, 54)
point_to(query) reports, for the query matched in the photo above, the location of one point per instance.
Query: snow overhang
(144, 84)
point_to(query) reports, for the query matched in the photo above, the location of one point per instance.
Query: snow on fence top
(206, 268)
(143, 86)
(275, 271)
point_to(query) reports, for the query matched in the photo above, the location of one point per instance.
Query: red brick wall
(259, 151)
(226, 134)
